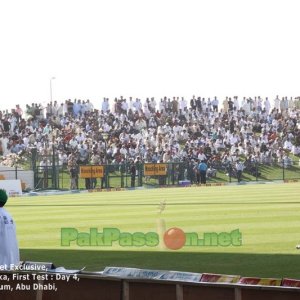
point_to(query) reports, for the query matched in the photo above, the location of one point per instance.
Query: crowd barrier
(134, 284)
(156, 175)
(116, 176)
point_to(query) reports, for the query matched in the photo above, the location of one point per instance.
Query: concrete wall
(25, 176)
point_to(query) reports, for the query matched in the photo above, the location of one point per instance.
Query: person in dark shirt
(6, 125)
(132, 173)
(230, 104)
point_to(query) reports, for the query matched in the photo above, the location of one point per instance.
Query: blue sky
(99, 49)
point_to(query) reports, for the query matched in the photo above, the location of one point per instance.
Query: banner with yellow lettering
(91, 171)
(155, 169)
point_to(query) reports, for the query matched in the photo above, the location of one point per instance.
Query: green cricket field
(267, 217)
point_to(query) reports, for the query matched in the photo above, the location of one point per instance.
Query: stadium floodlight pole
(52, 78)
(105, 138)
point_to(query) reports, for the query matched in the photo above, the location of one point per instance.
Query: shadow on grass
(261, 265)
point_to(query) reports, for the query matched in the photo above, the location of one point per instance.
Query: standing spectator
(4, 144)
(267, 105)
(277, 102)
(193, 103)
(73, 176)
(19, 112)
(215, 104)
(239, 169)
(225, 105)
(73, 169)
(132, 173)
(6, 125)
(230, 104)
(44, 169)
(196, 172)
(95, 160)
(202, 169)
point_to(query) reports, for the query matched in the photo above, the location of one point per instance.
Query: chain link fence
(176, 173)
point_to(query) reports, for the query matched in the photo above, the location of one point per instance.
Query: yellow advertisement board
(155, 169)
(91, 171)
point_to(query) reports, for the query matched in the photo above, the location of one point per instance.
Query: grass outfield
(267, 215)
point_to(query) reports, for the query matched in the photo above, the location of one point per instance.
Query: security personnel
(202, 170)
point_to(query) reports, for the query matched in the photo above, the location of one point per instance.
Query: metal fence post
(123, 168)
(126, 173)
(256, 170)
(54, 169)
(91, 178)
(62, 177)
(140, 173)
(173, 173)
(106, 176)
(33, 158)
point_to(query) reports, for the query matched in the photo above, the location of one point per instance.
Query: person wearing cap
(9, 249)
